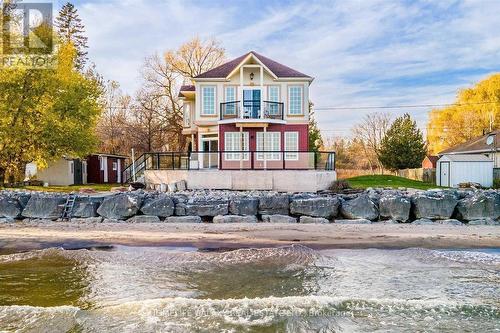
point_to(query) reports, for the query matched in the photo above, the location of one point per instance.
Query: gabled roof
(476, 145)
(279, 70)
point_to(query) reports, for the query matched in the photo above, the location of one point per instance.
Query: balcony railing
(233, 160)
(251, 109)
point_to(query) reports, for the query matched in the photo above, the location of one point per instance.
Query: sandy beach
(33, 235)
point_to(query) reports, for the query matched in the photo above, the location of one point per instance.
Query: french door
(251, 103)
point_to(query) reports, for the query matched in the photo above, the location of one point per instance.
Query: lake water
(289, 289)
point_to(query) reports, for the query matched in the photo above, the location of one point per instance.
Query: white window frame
(230, 109)
(301, 104)
(269, 95)
(266, 143)
(187, 115)
(287, 140)
(232, 142)
(213, 109)
(115, 166)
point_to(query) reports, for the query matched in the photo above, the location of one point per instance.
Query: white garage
(453, 169)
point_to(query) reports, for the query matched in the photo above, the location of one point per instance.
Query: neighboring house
(472, 161)
(429, 162)
(487, 144)
(95, 169)
(251, 113)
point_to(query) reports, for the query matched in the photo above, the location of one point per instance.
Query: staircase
(67, 212)
(140, 167)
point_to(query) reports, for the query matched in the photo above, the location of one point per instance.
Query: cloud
(361, 53)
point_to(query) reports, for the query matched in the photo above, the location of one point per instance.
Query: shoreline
(25, 236)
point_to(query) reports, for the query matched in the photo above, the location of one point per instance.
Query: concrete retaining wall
(246, 180)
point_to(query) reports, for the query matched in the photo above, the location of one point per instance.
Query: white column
(240, 93)
(241, 147)
(264, 146)
(261, 92)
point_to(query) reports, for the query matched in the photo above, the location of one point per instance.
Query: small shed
(453, 169)
(105, 168)
(63, 172)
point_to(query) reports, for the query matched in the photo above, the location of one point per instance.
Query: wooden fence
(425, 175)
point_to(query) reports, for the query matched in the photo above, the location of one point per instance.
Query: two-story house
(249, 113)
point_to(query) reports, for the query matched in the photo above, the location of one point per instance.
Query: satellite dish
(489, 140)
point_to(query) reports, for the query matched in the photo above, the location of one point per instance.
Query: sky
(361, 53)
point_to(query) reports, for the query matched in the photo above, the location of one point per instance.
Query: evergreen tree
(403, 146)
(315, 139)
(71, 30)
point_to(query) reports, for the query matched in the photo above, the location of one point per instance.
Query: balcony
(251, 109)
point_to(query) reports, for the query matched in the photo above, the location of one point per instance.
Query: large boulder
(10, 207)
(86, 207)
(239, 205)
(395, 207)
(43, 206)
(326, 207)
(273, 204)
(277, 218)
(207, 207)
(162, 206)
(234, 219)
(308, 219)
(144, 219)
(361, 207)
(435, 205)
(479, 206)
(120, 206)
(183, 219)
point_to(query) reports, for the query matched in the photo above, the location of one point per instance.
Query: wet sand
(35, 235)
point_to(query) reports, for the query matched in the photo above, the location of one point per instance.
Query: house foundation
(246, 180)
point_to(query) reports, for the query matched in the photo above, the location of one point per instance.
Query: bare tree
(370, 133)
(195, 57)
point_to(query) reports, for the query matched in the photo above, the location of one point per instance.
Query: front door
(210, 154)
(251, 103)
(445, 174)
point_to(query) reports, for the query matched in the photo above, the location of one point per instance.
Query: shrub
(339, 186)
(496, 183)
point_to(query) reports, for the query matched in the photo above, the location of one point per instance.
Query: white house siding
(268, 81)
(466, 168)
(57, 173)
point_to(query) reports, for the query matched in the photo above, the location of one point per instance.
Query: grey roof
(468, 157)
(278, 69)
(475, 145)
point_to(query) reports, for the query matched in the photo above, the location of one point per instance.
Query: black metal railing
(251, 109)
(232, 160)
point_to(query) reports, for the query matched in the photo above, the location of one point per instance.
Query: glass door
(210, 154)
(251, 103)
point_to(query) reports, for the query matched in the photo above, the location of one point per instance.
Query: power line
(400, 106)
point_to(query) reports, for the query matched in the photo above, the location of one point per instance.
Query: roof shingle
(278, 69)
(475, 145)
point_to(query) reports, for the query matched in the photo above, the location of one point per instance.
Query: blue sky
(361, 53)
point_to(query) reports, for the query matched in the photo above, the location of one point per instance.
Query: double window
(208, 100)
(237, 142)
(269, 142)
(295, 100)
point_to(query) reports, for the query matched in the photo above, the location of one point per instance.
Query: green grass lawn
(72, 188)
(387, 181)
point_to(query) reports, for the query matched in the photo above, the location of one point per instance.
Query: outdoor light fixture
(251, 76)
